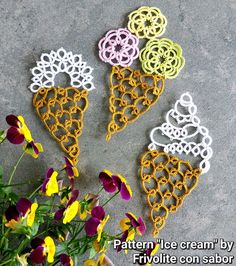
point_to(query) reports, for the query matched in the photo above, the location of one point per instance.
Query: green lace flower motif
(163, 57)
(147, 22)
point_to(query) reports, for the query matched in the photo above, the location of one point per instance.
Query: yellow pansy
(31, 215)
(101, 226)
(70, 212)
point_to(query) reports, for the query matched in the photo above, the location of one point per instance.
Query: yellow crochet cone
(131, 95)
(166, 180)
(62, 111)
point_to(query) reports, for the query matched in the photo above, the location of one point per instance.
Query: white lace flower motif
(60, 61)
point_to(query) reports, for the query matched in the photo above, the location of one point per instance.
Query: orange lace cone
(62, 111)
(131, 95)
(166, 180)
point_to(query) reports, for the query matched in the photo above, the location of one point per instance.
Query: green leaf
(2, 136)
(1, 172)
(76, 260)
(46, 207)
(83, 249)
(4, 243)
(13, 197)
(34, 228)
(92, 253)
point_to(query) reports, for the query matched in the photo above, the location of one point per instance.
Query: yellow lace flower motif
(147, 22)
(163, 57)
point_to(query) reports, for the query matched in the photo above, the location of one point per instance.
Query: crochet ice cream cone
(131, 95)
(167, 179)
(62, 109)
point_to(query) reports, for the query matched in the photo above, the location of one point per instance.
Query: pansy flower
(71, 170)
(66, 260)
(131, 222)
(69, 212)
(33, 149)
(150, 252)
(102, 260)
(42, 249)
(21, 214)
(50, 184)
(96, 223)
(129, 226)
(85, 207)
(18, 131)
(112, 182)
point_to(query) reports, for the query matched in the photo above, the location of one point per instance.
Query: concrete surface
(206, 31)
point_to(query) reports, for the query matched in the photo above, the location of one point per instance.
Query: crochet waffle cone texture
(167, 181)
(131, 95)
(62, 111)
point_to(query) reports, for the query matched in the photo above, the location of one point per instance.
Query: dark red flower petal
(36, 150)
(12, 120)
(122, 239)
(98, 212)
(49, 173)
(72, 183)
(69, 167)
(64, 259)
(91, 226)
(14, 136)
(47, 178)
(37, 256)
(117, 181)
(133, 221)
(36, 242)
(23, 205)
(69, 171)
(59, 214)
(142, 226)
(107, 182)
(74, 196)
(12, 213)
(124, 192)
(68, 163)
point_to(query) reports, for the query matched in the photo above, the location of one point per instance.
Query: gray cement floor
(206, 32)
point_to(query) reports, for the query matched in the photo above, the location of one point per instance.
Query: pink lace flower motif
(119, 47)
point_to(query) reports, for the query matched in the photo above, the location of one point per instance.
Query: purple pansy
(112, 182)
(66, 260)
(98, 214)
(18, 131)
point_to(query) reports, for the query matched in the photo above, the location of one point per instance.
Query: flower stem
(35, 191)
(14, 168)
(52, 205)
(6, 262)
(111, 198)
(100, 190)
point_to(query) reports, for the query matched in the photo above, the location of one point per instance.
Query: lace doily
(61, 61)
(166, 181)
(147, 22)
(163, 57)
(131, 95)
(187, 136)
(62, 111)
(119, 47)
